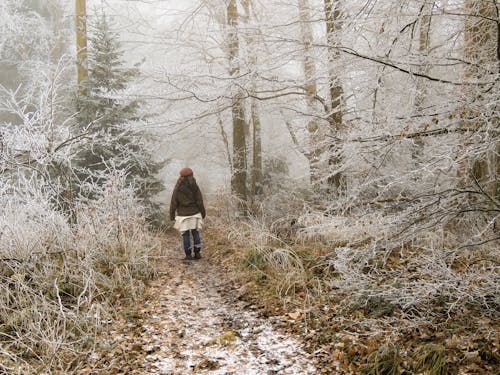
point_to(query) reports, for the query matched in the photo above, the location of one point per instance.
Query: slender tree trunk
(58, 13)
(81, 41)
(333, 26)
(423, 49)
(481, 40)
(225, 140)
(421, 94)
(239, 177)
(81, 76)
(257, 173)
(313, 128)
(256, 136)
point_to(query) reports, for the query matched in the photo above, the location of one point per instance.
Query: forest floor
(222, 315)
(194, 319)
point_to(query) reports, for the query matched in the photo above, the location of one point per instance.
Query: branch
(294, 136)
(490, 198)
(479, 243)
(68, 141)
(352, 52)
(427, 133)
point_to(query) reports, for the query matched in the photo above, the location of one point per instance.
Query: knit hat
(186, 171)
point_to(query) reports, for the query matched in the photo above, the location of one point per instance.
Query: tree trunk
(423, 49)
(314, 153)
(81, 41)
(256, 137)
(239, 177)
(257, 174)
(333, 26)
(417, 151)
(58, 13)
(225, 140)
(481, 40)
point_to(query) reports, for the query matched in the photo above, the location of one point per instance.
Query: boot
(197, 254)
(188, 254)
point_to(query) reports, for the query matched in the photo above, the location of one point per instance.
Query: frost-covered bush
(112, 232)
(64, 260)
(59, 281)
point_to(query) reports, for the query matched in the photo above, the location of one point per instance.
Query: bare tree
(252, 41)
(239, 178)
(81, 40)
(481, 53)
(421, 94)
(333, 18)
(310, 86)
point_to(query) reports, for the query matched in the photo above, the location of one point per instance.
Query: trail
(196, 323)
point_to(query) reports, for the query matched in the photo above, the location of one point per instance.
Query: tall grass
(346, 265)
(59, 281)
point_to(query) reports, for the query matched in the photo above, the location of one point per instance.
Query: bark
(333, 26)
(225, 140)
(423, 49)
(81, 41)
(424, 39)
(314, 153)
(256, 139)
(257, 174)
(481, 44)
(239, 177)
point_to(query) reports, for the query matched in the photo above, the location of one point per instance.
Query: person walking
(188, 211)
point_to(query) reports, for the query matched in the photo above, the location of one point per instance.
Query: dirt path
(194, 323)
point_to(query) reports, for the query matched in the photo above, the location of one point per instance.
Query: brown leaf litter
(193, 322)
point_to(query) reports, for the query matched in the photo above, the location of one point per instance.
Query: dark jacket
(186, 199)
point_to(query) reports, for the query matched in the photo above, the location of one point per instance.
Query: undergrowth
(61, 283)
(430, 302)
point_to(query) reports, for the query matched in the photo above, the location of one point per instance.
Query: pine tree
(107, 117)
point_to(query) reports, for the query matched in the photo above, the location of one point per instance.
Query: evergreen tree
(107, 116)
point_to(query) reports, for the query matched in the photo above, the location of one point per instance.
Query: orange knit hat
(186, 171)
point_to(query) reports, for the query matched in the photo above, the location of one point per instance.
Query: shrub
(58, 281)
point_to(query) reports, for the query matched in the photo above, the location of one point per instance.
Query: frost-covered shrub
(58, 281)
(112, 232)
(65, 262)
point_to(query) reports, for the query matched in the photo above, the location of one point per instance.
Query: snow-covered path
(194, 324)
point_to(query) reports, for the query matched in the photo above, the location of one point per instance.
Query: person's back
(188, 211)
(188, 200)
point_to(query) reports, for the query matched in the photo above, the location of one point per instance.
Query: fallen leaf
(295, 315)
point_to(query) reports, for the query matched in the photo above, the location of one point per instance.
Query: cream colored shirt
(184, 223)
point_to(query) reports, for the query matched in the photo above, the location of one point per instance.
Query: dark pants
(186, 240)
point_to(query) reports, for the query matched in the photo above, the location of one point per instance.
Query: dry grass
(60, 284)
(430, 358)
(384, 361)
(402, 295)
(258, 251)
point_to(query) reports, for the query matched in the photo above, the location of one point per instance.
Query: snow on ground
(203, 331)
(194, 323)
